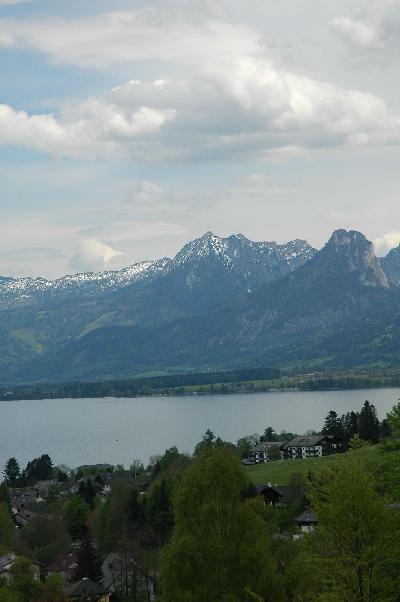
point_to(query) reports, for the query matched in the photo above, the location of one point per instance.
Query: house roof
(63, 563)
(85, 586)
(305, 441)
(261, 487)
(6, 561)
(266, 446)
(308, 517)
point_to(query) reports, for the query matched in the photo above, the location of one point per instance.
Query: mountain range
(220, 303)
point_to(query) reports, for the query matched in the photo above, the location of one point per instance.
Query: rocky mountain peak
(351, 251)
(391, 265)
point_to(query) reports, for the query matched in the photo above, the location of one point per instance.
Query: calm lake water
(85, 431)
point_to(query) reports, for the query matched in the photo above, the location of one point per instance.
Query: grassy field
(280, 471)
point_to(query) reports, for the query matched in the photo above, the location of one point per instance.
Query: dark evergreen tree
(333, 425)
(269, 435)
(87, 491)
(5, 497)
(385, 429)
(350, 425)
(12, 472)
(369, 423)
(88, 563)
(39, 469)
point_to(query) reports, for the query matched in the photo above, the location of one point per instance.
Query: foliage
(88, 563)
(357, 538)
(368, 423)
(38, 469)
(356, 442)
(12, 472)
(394, 418)
(75, 514)
(7, 528)
(47, 535)
(23, 579)
(219, 546)
(87, 491)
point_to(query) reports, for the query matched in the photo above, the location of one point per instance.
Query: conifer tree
(88, 563)
(12, 472)
(369, 424)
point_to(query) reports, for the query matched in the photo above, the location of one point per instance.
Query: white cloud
(387, 241)
(356, 32)
(93, 256)
(245, 107)
(230, 99)
(117, 37)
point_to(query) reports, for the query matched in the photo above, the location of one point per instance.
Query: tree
(87, 492)
(357, 538)
(356, 442)
(12, 472)
(245, 444)
(7, 529)
(24, 581)
(39, 469)
(350, 425)
(88, 563)
(220, 548)
(394, 418)
(369, 423)
(52, 590)
(5, 496)
(75, 516)
(269, 435)
(333, 425)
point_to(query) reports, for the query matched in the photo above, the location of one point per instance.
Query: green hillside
(280, 471)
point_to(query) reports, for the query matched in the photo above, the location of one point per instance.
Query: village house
(313, 446)
(124, 572)
(262, 452)
(306, 521)
(64, 566)
(271, 493)
(85, 589)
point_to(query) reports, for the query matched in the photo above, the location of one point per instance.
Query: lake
(117, 431)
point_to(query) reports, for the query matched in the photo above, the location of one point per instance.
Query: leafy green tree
(394, 418)
(357, 538)
(52, 590)
(12, 472)
(356, 442)
(118, 517)
(24, 581)
(75, 514)
(88, 563)
(369, 423)
(220, 550)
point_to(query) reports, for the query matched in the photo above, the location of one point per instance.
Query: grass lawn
(280, 471)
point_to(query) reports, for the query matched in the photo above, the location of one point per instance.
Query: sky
(129, 127)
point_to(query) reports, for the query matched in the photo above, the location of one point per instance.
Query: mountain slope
(391, 265)
(300, 319)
